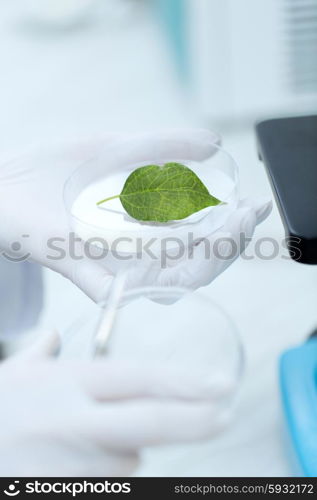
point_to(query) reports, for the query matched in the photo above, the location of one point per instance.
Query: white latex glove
(197, 268)
(91, 418)
(31, 202)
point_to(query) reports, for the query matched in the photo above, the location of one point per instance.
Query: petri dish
(170, 327)
(109, 226)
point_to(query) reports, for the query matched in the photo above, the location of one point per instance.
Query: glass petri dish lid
(172, 328)
(109, 224)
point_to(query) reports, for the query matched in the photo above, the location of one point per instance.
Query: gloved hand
(31, 201)
(214, 254)
(61, 418)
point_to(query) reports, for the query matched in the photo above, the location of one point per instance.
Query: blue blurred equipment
(298, 370)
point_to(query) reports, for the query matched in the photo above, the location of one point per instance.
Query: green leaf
(163, 193)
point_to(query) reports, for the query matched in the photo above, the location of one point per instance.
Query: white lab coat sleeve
(21, 296)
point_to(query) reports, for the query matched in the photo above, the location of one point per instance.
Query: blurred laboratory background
(75, 68)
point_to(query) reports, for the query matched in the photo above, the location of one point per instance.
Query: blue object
(298, 377)
(174, 17)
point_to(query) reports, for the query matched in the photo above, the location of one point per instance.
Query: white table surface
(107, 79)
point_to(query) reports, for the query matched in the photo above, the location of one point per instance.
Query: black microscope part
(288, 148)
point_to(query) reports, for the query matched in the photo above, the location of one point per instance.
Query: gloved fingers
(46, 345)
(242, 221)
(195, 144)
(89, 274)
(232, 240)
(202, 265)
(132, 425)
(262, 207)
(111, 379)
(191, 144)
(85, 268)
(84, 148)
(229, 243)
(213, 255)
(117, 150)
(93, 279)
(71, 152)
